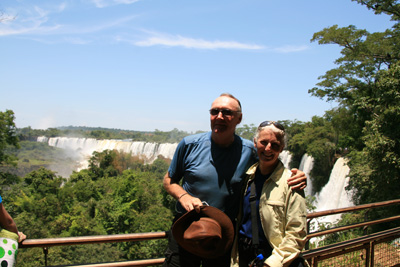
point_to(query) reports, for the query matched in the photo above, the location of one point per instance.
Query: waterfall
(306, 165)
(334, 195)
(86, 146)
(285, 157)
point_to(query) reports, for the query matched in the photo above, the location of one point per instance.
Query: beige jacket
(283, 217)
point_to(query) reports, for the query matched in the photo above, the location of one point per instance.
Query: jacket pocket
(277, 210)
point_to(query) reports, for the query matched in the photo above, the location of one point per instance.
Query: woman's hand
(21, 237)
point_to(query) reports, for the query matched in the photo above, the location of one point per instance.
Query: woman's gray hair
(280, 134)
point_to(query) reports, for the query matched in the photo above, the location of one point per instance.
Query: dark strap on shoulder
(253, 206)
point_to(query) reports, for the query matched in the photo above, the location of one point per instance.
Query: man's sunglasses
(276, 124)
(225, 112)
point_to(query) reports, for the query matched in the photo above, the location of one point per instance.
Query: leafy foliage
(8, 136)
(246, 131)
(376, 169)
(366, 86)
(104, 199)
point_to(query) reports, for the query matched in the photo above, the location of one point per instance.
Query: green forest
(120, 194)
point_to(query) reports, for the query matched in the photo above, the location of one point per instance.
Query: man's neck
(222, 140)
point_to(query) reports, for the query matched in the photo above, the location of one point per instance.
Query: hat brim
(227, 232)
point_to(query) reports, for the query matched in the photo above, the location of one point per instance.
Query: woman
(279, 211)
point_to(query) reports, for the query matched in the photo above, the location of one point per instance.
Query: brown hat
(208, 234)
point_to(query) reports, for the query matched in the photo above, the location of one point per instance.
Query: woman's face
(268, 148)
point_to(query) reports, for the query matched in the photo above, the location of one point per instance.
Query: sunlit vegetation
(101, 200)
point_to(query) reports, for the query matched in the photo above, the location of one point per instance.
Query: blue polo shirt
(212, 173)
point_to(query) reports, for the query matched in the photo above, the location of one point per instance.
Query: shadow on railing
(313, 256)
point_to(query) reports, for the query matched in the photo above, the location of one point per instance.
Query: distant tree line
(155, 136)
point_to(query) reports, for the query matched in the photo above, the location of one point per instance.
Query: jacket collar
(275, 175)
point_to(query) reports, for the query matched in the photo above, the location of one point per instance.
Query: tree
(366, 86)
(246, 131)
(8, 136)
(376, 169)
(316, 138)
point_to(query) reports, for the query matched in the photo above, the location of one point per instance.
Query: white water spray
(306, 165)
(334, 195)
(86, 146)
(285, 157)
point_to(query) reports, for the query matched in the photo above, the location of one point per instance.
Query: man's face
(225, 124)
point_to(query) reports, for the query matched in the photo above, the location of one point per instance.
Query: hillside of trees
(117, 194)
(103, 133)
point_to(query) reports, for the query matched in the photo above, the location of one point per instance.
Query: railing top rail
(61, 241)
(354, 208)
(351, 226)
(352, 242)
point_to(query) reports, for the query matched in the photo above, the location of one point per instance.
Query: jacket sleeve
(294, 230)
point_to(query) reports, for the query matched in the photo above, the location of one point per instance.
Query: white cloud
(30, 21)
(37, 22)
(21, 29)
(180, 41)
(106, 3)
(155, 38)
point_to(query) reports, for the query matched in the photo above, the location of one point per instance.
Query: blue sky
(158, 64)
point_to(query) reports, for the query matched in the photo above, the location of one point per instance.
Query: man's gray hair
(237, 100)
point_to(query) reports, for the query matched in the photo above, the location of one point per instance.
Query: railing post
(365, 219)
(307, 246)
(372, 253)
(45, 251)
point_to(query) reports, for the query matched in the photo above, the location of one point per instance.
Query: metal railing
(378, 249)
(46, 243)
(362, 251)
(364, 247)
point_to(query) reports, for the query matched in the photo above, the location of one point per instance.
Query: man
(212, 166)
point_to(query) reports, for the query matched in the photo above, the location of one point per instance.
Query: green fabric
(8, 234)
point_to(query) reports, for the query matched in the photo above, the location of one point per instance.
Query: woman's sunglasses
(276, 124)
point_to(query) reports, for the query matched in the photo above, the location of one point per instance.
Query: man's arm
(298, 180)
(176, 191)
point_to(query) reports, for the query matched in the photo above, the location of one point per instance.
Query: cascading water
(285, 157)
(334, 195)
(306, 165)
(86, 146)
